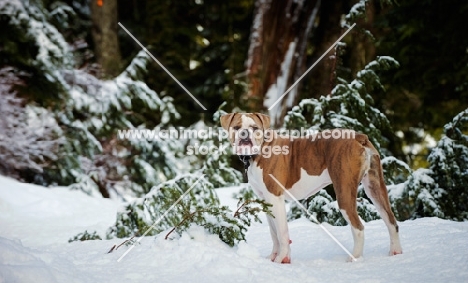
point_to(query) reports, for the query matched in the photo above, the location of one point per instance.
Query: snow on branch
(28, 135)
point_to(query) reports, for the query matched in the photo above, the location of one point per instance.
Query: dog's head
(246, 131)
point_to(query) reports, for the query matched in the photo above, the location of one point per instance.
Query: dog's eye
(236, 128)
(254, 128)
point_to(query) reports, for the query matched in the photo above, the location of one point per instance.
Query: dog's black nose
(244, 134)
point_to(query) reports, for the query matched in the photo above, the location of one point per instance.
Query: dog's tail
(374, 184)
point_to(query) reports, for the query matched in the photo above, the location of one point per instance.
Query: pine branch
(191, 215)
(115, 247)
(234, 227)
(264, 207)
(237, 212)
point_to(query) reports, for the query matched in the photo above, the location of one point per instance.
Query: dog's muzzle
(246, 141)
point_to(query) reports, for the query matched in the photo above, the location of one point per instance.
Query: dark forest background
(207, 44)
(71, 77)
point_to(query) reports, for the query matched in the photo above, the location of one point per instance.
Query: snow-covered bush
(231, 227)
(424, 195)
(156, 206)
(86, 111)
(94, 114)
(34, 52)
(166, 206)
(89, 112)
(439, 191)
(449, 164)
(29, 136)
(35, 47)
(85, 236)
(395, 171)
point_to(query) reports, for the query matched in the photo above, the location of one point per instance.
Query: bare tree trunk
(322, 78)
(362, 48)
(104, 32)
(277, 52)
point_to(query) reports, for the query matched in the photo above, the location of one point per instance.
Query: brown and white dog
(304, 166)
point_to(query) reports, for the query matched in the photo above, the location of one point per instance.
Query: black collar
(246, 160)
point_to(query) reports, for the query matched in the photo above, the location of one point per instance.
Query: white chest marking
(305, 187)
(309, 185)
(255, 177)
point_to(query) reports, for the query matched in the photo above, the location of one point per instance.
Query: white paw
(395, 251)
(283, 257)
(272, 256)
(354, 258)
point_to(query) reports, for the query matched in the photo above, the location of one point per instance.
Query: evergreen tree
(29, 136)
(439, 191)
(105, 163)
(424, 195)
(33, 53)
(395, 171)
(449, 164)
(87, 111)
(349, 106)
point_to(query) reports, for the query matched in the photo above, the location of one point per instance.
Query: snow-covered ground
(36, 223)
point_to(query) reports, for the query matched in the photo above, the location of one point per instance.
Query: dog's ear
(265, 119)
(226, 120)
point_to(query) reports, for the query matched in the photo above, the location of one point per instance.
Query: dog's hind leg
(376, 190)
(347, 205)
(346, 175)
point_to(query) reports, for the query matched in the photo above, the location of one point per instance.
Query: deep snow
(36, 223)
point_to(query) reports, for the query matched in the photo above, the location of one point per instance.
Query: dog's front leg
(279, 230)
(274, 238)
